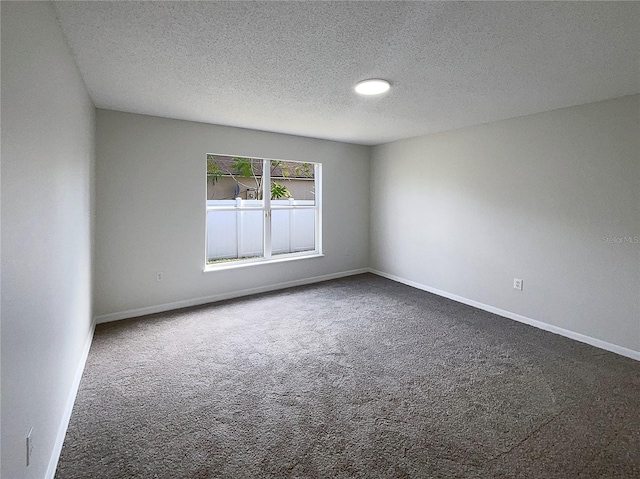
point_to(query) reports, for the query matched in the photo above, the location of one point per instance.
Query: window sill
(253, 262)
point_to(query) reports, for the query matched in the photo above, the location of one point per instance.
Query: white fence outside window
(238, 233)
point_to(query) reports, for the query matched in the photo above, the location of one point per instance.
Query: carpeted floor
(358, 377)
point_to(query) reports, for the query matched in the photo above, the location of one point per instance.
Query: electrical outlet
(347, 252)
(29, 447)
(159, 276)
(517, 284)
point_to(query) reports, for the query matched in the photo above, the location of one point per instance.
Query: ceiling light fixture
(374, 86)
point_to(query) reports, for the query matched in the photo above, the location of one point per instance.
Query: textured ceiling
(290, 66)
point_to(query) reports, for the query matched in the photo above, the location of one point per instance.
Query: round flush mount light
(374, 86)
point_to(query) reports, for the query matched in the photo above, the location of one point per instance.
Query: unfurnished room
(320, 239)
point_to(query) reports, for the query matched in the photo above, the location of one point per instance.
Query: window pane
(292, 179)
(251, 241)
(230, 177)
(303, 234)
(280, 230)
(222, 235)
(234, 235)
(292, 230)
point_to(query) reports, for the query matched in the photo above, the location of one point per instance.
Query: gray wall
(150, 217)
(47, 167)
(537, 198)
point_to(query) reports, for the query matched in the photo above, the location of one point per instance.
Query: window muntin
(252, 214)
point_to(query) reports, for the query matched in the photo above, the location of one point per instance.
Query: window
(261, 210)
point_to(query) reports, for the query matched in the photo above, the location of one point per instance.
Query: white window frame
(267, 208)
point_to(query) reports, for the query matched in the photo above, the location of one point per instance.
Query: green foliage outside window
(250, 169)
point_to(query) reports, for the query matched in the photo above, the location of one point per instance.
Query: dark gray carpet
(358, 377)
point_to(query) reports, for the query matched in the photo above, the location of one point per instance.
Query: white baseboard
(71, 399)
(598, 343)
(133, 313)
